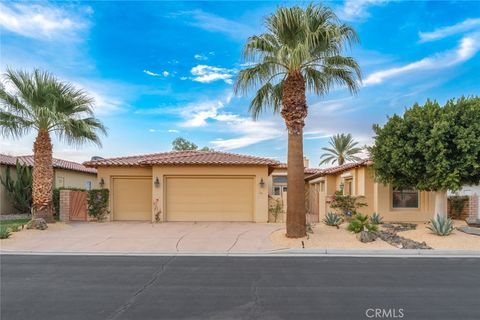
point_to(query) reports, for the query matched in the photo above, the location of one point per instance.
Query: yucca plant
(4, 232)
(333, 219)
(441, 226)
(376, 218)
(361, 223)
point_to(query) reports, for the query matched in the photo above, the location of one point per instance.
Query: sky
(161, 70)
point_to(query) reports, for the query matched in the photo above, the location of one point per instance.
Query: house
(186, 186)
(357, 179)
(66, 174)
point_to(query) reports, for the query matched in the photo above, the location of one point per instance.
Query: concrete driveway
(145, 237)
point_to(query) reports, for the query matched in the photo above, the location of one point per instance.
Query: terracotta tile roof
(307, 170)
(184, 158)
(339, 169)
(57, 163)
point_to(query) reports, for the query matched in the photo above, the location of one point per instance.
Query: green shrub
(20, 188)
(4, 232)
(361, 223)
(441, 226)
(376, 218)
(457, 203)
(276, 209)
(347, 204)
(333, 219)
(98, 203)
(14, 228)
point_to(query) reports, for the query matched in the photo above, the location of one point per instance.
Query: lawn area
(9, 223)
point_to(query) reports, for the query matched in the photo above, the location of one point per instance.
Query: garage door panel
(132, 199)
(209, 199)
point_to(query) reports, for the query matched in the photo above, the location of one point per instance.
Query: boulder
(38, 223)
(366, 236)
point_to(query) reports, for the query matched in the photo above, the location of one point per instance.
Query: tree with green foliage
(300, 52)
(182, 144)
(19, 188)
(40, 103)
(342, 148)
(430, 148)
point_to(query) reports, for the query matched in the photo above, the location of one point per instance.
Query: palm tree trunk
(42, 184)
(294, 112)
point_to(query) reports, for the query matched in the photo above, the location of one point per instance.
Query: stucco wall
(258, 173)
(74, 179)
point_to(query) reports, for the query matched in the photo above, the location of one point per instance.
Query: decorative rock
(39, 224)
(366, 236)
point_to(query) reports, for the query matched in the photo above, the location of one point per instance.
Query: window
(347, 188)
(279, 179)
(88, 185)
(284, 189)
(276, 191)
(407, 198)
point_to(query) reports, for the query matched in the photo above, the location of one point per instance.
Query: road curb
(405, 253)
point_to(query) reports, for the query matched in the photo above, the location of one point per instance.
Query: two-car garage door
(192, 198)
(213, 198)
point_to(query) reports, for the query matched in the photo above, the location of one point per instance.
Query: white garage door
(212, 198)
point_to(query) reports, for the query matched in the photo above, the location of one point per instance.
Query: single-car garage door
(132, 198)
(213, 198)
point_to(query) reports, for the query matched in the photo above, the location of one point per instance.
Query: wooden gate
(78, 205)
(312, 202)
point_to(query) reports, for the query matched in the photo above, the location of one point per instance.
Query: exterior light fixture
(341, 186)
(262, 183)
(157, 182)
(102, 183)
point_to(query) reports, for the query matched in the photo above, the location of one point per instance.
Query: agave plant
(4, 232)
(333, 219)
(361, 223)
(376, 218)
(441, 226)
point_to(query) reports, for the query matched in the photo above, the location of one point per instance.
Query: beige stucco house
(186, 186)
(67, 174)
(357, 179)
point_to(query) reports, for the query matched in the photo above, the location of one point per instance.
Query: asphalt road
(102, 287)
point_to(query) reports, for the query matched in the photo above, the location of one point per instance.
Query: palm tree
(41, 103)
(342, 148)
(300, 51)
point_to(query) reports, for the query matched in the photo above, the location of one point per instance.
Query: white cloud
(173, 131)
(197, 114)
(42, 21)
(200, 57)
(150, 73)
(165, 73)
(466, 49)
(183, 78)
(206, 74)
(357, 9)
(466, 25)
(214, 23)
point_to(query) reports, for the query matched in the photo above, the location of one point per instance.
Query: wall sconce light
(262, 183)
(157, 182)
(341, 186)
(102, 183)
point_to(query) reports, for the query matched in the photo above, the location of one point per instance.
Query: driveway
(145, 237)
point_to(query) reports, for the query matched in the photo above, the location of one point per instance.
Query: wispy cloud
(200, 57)
(41, 21)
(357, 9)
(210, 22)
(173, 131)
(464, 26)
(206, 74)
(197, 114)
(466, 49)
(154, 74)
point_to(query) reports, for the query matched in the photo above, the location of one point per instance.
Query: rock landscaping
(389, 235)
(39, 224)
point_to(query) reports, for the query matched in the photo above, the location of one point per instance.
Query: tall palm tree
(300, 51)
(41, 103)
(342, 148)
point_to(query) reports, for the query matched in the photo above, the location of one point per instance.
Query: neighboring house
(66, 174)
(357, 179)
(186, 186)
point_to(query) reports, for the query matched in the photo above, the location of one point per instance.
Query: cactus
(332, 219)
(441, 226)
(376, 218)
(361, 223)
(19, 189)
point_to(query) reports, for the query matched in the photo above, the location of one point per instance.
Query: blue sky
(159, 70)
